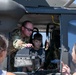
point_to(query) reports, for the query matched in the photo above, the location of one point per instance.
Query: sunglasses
(29, 29)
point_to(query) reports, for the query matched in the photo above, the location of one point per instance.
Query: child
(65, 68)
(38, 51)
(3, 52)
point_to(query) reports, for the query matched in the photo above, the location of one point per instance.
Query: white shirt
(2, 72)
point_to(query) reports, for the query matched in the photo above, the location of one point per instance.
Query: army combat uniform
(16, 36)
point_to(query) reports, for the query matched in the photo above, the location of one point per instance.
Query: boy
(38, 51)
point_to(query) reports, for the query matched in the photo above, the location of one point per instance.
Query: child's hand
(65, 69)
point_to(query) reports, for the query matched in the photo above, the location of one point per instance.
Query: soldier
(21, 37)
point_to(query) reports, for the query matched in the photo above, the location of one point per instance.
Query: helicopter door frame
(67, 30)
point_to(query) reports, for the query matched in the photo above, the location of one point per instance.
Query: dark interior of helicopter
(48, 24)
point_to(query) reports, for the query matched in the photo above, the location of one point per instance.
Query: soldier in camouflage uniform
(21, 36)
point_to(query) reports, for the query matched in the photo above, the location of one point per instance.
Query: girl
(3, 52)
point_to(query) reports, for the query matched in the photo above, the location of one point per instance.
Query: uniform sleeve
(17, 42)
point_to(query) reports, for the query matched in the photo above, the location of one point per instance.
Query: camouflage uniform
(16, 37)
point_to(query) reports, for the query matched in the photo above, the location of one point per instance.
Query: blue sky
(75, 1)
(71, 37)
